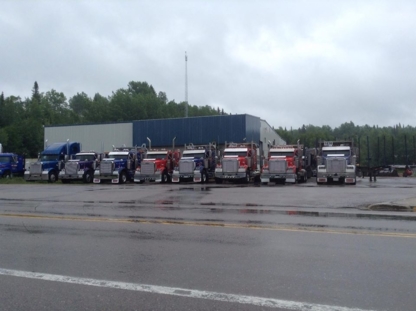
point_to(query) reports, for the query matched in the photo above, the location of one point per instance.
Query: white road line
(175, 291)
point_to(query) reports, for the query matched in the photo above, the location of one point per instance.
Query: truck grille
(106, 167)
(277, 166)
(148, 168)
(186, 167)
(336, 165)
(36, 168)
(230, 165)
(71, 168)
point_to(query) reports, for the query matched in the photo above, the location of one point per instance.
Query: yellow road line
(210, 224)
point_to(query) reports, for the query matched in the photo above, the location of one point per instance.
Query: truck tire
(204, 177)
(164, 177)
(247, 178)
(122, 178)
(52, 177)
(88, 177)
(7, 174)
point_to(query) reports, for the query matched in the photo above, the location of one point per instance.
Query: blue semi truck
(120, 165)
(51, 161)
(11, 164)
(197, 164)
(336, 162)
(81, 167)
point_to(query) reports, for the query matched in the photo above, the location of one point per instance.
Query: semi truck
(238, 163)
(285, 164)
(336, 162)
(51, 161)
(120, 164)
(81, 167)
(11, 164)
(196, 164)
(158, 166)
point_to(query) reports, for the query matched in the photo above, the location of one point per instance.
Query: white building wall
(267, 133)
(97, 137)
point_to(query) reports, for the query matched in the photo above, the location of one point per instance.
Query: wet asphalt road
(295, 243)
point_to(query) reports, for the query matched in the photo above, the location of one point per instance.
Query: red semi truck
(238, 162)
(284, 164)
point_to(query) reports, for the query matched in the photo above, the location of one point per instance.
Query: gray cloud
(289, 62)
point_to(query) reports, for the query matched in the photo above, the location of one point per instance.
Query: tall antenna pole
(186, 85)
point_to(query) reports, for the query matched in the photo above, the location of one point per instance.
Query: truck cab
(197, 164)
(51, 161)
(238, 163)
(336, 163)
(284, 165)
(81, 167)
(157, 166)
(11, 164)
(119, 165)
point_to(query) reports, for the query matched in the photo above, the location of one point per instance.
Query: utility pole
(186, 85)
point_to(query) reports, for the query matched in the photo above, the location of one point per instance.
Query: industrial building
(163, 132)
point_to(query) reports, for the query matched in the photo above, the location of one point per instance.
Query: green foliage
(22, 121)
(386, 145)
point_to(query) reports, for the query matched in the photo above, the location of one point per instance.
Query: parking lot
(192, 246)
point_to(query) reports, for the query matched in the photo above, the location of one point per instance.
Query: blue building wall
(197, 130)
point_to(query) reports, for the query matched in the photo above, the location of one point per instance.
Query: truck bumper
(114, 177)
(230, 176)
(138, 177)
(346, 177)
(44, 176)
(274, 177)
(176, 176)
(79, 175)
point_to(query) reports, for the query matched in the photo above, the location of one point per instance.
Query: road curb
(390, 207)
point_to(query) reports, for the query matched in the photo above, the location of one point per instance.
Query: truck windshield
(198, 154)
(85, 157)
(235, 153)
(119, 156)
(341, 153)
(156, 156)
(49, 157)
(4, 159)
(281, 154)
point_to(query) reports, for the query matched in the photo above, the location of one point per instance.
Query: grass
(12, 181)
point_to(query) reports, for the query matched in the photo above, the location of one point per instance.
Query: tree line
(22, 120)
(377, 145)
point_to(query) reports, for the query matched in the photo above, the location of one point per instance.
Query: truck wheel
(7, 174)
(204, 177)
(87, 178)
(52, 177)
(122, 178)
(164, 177)
(247, 179)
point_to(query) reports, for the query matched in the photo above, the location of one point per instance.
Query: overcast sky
(288, 62)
